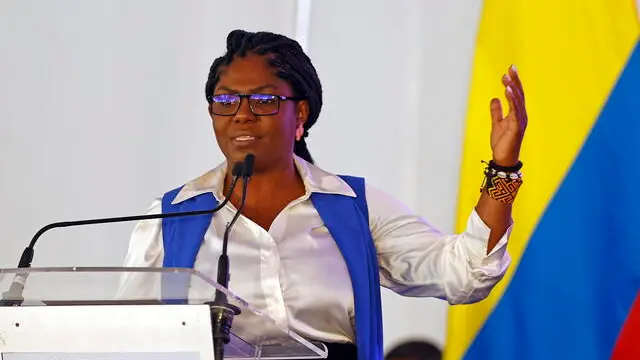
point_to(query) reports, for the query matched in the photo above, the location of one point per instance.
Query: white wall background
(102, 109)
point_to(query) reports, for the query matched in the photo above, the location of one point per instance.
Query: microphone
(13, 297)
(222, 311)
(223, 261)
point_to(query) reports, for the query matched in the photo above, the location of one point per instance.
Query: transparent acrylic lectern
(132, 314)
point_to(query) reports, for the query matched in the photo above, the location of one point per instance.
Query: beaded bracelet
(502, 182)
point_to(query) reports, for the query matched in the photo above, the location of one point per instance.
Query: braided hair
(292, 65)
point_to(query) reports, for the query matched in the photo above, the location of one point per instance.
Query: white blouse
(295, 272)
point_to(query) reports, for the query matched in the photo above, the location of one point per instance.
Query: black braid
(292, 64)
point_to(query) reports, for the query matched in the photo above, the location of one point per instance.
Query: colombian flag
(572, 291)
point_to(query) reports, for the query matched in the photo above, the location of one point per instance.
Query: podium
(133, 314)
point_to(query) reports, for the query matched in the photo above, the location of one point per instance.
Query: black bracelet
(509, 169)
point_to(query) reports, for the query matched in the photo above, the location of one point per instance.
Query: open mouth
(244, 140)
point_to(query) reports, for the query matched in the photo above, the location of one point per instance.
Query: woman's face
(269, 137)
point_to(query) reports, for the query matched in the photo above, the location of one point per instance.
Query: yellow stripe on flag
(555, 46)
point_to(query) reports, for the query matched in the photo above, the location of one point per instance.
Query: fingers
(511, 79)
(496, 111)
(511, 99)
(520, 99)
(513, 74)
(515, 95)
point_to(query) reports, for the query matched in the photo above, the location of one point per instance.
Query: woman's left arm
(417, 260)
(507, 134)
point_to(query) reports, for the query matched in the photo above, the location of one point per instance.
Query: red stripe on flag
(628, 343)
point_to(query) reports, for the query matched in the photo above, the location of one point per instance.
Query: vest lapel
(350, 229)
(181, 239)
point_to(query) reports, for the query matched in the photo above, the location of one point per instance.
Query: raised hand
(507, 132)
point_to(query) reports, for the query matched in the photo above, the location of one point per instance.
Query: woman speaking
(311, 248)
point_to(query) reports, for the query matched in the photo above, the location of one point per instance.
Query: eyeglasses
(260, 104)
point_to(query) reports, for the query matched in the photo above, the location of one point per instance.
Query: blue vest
(345, 217)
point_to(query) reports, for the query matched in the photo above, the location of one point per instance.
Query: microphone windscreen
(237, 169)
(249, 161)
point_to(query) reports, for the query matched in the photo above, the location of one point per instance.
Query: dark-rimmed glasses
(260, 104)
